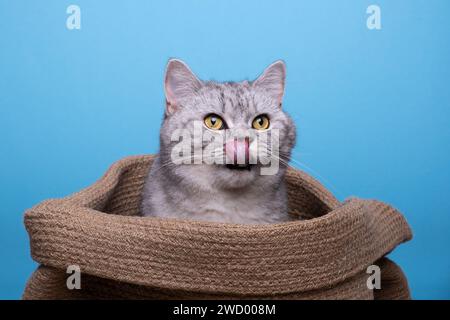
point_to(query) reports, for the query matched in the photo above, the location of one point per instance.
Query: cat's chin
(217, 176)
(235, 176)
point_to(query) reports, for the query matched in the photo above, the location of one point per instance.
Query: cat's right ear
(179, 83)
(272, 80)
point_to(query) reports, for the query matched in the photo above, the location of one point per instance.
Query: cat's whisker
(169, 163)
(313, 172)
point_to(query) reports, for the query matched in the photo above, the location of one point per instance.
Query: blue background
(372, 107)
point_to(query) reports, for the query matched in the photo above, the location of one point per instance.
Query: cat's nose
(237, 151)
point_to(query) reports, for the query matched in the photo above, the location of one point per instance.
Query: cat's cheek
(235, 179)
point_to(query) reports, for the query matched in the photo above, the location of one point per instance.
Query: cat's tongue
(237, 151)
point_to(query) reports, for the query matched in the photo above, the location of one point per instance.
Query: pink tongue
(237, 151)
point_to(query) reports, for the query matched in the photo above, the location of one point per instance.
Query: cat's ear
(179, 83)
(272, 80)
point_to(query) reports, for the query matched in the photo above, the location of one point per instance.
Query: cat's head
(225, 135)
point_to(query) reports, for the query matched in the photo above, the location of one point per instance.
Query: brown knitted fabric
(122, 255)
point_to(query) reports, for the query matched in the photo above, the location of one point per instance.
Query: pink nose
(237, 151)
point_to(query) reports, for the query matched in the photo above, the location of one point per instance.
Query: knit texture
(123, 255)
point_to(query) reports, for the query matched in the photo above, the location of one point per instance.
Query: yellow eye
(261, 122)
(214, 122)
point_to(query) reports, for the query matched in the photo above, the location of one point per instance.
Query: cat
(231, 191)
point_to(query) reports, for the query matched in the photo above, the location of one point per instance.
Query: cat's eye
(214, 122)
(261, 122)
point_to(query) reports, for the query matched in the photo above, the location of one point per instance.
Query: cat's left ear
(272, 80)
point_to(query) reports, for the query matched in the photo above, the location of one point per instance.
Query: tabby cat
(233, 189)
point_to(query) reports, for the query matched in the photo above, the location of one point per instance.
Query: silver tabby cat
(232, 191)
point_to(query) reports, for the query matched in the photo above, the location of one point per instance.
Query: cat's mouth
(239, 167)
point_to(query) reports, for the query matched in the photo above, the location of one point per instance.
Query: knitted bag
(123, 255)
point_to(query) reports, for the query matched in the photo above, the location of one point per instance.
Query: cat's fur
(215, 192)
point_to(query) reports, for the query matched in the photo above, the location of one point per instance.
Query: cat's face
(245, 120)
